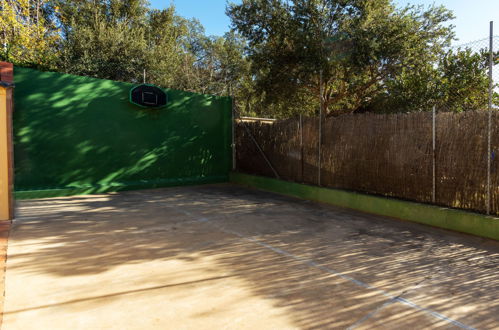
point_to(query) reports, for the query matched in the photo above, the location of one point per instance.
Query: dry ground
(222, 256)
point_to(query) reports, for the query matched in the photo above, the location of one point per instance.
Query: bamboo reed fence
(383, 154)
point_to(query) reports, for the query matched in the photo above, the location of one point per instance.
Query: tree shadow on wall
(83, 133)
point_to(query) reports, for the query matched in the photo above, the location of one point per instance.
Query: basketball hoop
(148, 96)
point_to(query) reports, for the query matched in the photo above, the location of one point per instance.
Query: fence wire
(466, 91)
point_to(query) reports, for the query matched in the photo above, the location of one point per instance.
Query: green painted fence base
(461, 221)
(118, 186)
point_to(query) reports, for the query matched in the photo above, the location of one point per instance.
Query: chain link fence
(465, 91)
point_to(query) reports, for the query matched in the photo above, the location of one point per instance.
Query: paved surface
(4, 236)
(216, 257)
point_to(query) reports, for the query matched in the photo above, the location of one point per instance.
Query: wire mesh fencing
(469, 76)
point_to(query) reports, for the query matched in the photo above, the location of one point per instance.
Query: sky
(471, 23)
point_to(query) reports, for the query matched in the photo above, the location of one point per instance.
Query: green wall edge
(457, 220)
(117, 186)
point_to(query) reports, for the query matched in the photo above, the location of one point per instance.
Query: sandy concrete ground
(4, 235)
(225, 257)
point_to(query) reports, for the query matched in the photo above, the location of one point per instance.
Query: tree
(358, 45)
(118, 40)
(103, 39)
(28, 37)
(464, 81)
(457, 81)
(221, 64)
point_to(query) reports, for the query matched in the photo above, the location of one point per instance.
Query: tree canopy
(357, 55)
(119, 40)
(281, 58)
(28, 36)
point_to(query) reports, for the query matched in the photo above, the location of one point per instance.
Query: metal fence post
(434, 156)
(319, 163)
(301, 148)
(233, 134)
(489, 123)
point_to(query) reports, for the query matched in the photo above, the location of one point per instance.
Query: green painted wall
(466, 222)
(76, 135)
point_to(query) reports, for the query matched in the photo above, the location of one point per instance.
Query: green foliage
(457, 82)
(27, 36)
(463, 81)
(357, 44)
(371, 55)
(217, 65)
(119, 40)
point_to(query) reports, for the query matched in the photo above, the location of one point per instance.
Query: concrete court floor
(227, 257)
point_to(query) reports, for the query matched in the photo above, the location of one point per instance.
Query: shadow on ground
(310, 261)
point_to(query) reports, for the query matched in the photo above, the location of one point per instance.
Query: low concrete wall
(466, 222)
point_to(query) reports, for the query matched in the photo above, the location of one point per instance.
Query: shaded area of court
(222, 256)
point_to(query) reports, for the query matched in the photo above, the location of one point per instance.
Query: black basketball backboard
(148, 96)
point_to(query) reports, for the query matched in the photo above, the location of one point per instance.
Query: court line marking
(371, 314)
(314, 264)
(386, 304)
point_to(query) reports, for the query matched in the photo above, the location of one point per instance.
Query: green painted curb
(114, 187)
(461, 221)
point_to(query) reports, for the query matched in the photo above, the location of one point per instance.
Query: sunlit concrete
(222, 256)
